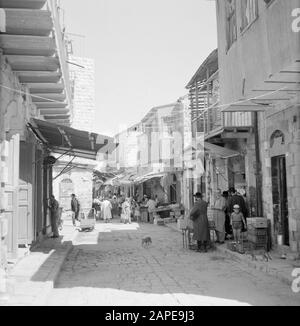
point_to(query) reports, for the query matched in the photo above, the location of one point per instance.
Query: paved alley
(110, 267)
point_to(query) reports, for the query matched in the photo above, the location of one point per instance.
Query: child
(237, 220)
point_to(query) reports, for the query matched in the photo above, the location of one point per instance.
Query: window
(268, 1)
(249, 12)
(231, 28)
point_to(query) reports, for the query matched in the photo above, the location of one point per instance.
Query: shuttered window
(249, 12)
(231, 27)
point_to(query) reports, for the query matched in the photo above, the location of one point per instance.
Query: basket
(231, 246)
(211, 224)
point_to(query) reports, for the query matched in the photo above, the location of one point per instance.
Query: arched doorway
(66, 188)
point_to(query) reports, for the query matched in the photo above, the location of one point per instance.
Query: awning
(65, 140)
(219, 151)
(149, 176)
(214, 150)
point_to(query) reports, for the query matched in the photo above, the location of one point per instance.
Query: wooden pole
(259, 210)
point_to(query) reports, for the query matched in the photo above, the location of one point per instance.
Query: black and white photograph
(149, 156)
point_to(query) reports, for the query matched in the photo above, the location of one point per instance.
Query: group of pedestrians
(116, 207)
(229, 213)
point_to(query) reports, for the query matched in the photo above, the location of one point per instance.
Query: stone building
(82, 74)
(34, 84)
(259, 55)
(79, 179)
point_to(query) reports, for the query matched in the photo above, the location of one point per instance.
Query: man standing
(75, 207)
(54, 209)
(198, 215)
(219, 208)
(151, 204)
(236, 199)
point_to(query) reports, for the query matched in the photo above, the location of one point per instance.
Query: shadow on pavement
(112, 261)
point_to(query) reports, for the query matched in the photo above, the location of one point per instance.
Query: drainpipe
(258, 174)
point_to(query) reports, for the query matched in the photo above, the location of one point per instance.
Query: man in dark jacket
(54, 209)
(75, 207)
(198, 215)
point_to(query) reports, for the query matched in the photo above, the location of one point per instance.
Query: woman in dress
(106, 210)
(126, 208)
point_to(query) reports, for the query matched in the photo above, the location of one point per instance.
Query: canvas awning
(149, 176)
(219, 151)
(214, 150)
(65, 140)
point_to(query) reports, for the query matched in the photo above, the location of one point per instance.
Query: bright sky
(145, 52)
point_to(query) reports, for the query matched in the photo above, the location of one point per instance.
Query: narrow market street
(110, 267)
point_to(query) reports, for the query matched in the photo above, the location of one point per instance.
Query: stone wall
(288, 122)
(82, 186)
(16, 109)
(84, 103)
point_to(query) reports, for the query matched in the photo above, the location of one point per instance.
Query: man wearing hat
(198, 215)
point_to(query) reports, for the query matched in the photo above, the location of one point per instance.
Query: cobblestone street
(110, 267)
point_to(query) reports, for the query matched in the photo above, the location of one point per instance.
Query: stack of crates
(258, 233)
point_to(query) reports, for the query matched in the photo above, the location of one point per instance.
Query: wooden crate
(255, 231)
(257, 222)
(258, 239)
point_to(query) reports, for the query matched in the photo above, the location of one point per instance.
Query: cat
(254, 253)
(146, 241)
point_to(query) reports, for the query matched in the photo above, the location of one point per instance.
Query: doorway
(66, 189)
(280, 199)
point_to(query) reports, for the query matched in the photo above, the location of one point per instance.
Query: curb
(49, 285)
(261, 266)
(284, 277)
(54, 274)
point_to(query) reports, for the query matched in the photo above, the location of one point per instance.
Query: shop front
(165, 190)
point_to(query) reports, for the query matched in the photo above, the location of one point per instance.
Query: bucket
(280, 240)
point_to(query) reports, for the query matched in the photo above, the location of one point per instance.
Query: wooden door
(11, 189)
(25, 221)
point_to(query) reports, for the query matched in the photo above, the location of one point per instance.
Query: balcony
(207, 112)
(32, 42)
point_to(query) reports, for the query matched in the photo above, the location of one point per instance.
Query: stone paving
(110, 267)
